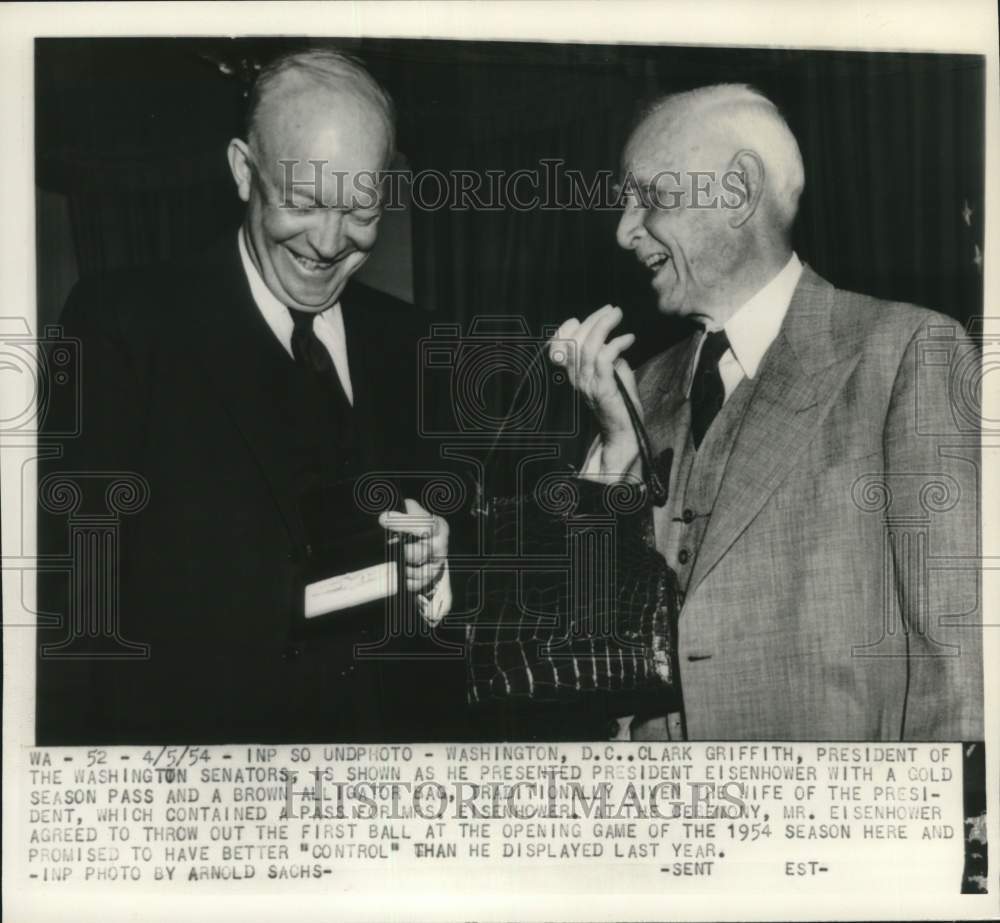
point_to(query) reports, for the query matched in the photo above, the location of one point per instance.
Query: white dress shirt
(752, 329)
(328, 326)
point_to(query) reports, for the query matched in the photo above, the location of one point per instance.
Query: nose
(327, 234)
(630, 228)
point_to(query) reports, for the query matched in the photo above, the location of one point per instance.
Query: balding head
(716, 122)
(713, 178)
(317, 72)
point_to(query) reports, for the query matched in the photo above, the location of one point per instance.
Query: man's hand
(592, 374)
(425, 545)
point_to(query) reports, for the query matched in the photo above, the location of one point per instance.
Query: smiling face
(307, 238)
(690, 249)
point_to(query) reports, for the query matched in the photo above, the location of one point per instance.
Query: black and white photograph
(563, 414)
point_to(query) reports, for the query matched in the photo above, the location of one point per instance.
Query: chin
(667, 304)
(318, 303)
(311, 297)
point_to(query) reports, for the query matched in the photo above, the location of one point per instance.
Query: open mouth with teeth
(316, 267)
(656, 261)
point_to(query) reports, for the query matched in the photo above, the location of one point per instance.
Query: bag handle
(654, 484)
(651, 478)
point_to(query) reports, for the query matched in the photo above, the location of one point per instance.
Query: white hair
(750, 120)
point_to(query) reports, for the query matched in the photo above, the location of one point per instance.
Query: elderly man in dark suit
(823, 511)
(248, 391)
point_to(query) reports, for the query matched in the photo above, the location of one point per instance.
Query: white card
(352, 589)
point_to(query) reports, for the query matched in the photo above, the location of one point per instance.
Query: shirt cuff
(437, 604)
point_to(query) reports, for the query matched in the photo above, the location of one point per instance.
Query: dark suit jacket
(183, 383)
(835, 594)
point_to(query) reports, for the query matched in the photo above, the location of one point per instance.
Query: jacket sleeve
(932, 523)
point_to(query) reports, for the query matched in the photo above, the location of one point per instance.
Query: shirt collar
(754, 327)
(274, 312)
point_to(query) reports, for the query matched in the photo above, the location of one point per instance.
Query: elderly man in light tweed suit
(823, 513)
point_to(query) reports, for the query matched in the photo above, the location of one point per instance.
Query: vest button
(291, 652)
(687, 516)
(684, 556)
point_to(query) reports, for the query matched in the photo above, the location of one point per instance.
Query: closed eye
(365, 218)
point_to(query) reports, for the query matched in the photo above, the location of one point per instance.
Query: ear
(239, 165)
(745, 184)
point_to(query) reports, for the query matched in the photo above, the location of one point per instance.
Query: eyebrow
(635, 187)
(312, 201)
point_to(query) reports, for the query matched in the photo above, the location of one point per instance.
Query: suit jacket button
(291, 652)
(684, 556)
(687, 516)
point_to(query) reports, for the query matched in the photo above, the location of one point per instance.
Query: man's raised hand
(590, 359)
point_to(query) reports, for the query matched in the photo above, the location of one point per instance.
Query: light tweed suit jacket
(836, 592)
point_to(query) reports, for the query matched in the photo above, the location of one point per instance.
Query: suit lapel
(799, 379)
(247, 367)
(359, 348)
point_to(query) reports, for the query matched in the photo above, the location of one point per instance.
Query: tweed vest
(680, 525)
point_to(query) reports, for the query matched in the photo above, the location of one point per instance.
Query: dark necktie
(707, 392)
(311, 354)
(324, 393)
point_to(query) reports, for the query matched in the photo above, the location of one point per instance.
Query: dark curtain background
(892, 143)
(133, 133)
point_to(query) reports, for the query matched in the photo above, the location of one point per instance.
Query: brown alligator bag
(577, 600)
